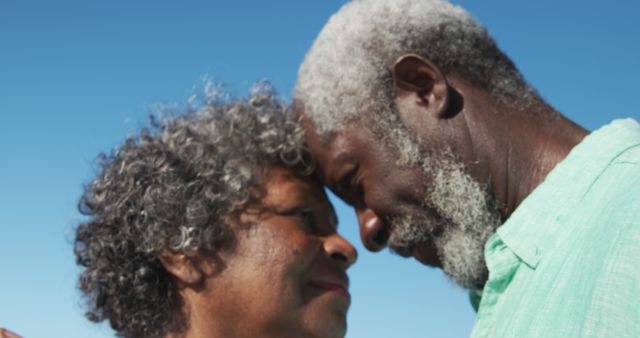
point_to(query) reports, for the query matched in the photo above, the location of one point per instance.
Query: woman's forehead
(281, 184)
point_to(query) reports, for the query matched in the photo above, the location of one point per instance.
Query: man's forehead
(329, 151)
(329, 145)
(352, 143)
(312, 133)
(347, 131)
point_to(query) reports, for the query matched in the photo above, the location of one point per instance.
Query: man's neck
(535, 142)
(515, 150)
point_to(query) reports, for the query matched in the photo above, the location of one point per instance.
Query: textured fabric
(567, 261)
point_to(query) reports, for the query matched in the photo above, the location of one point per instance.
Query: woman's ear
(182, 267)
(418, 78)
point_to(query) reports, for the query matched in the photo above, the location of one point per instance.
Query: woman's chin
(326, 313)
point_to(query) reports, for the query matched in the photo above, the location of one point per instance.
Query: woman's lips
(338, 287)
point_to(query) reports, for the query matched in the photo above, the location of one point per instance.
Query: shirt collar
(532, 227)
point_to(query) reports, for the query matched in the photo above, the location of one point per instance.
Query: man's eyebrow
(334, 220)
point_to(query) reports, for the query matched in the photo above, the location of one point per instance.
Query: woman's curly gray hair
(170, 188)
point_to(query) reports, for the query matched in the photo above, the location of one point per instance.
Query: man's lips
(340, 287)
(424, 252)
(404, 251)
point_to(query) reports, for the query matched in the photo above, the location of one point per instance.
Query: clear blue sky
(77, 76)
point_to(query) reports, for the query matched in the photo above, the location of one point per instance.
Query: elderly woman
(209, 225)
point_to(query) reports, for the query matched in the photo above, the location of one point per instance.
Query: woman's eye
(305, 215)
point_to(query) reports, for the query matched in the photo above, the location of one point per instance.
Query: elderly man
(448, 155)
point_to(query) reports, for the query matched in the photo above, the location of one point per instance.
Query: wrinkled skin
(479, 158)
(285, 277)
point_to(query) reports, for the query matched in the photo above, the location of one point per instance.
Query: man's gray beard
(466, 218)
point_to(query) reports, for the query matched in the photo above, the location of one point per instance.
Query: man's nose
(373, 232)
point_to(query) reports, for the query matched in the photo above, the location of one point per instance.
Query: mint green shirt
(567, 261)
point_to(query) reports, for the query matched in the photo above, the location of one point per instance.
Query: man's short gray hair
(348, 69)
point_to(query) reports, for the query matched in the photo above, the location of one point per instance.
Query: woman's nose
(338, 248)
(373, 232)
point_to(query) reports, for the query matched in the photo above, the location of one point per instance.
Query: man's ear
(182, 267)
(417, 77)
